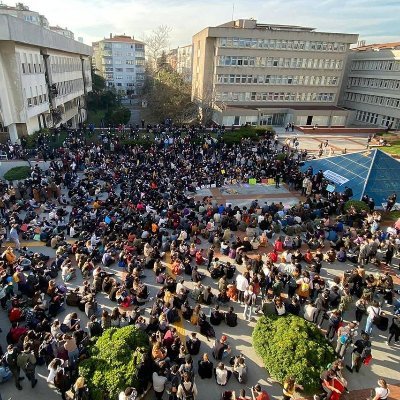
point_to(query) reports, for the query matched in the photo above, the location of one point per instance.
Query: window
(130, 62)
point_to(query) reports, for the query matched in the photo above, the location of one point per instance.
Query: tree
(98, 82)
(156, 43)
(121, 115)
(113, 362)
(291, 346)
(169, 96)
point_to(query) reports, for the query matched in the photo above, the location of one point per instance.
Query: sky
(376, 21)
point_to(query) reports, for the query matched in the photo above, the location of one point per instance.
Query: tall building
(120, 60)
(184, 62)
(23, 12)
(44, 78)
(63, 31)
(248, 72)
(371, 87)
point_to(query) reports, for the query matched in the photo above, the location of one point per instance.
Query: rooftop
(379, 46)
(122, 39)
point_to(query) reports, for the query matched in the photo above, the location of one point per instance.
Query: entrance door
(309, 120)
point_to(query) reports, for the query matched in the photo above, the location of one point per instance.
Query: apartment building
(63, 31)
(184, 62)
(44, 78)
(248, 72)
(23, 12)
(120, 60)
(371, 88)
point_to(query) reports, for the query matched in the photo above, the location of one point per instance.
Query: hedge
(113, 362)
(357, 204)
(17, 173)
(291, 346)
(236, 137)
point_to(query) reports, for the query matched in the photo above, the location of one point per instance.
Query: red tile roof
(380, 46)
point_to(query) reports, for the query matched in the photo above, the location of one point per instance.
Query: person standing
(26, 360)
(11, 357)
(14, 236)
(249, 301)
(259, 394)
(373, 312)
(159, 381)
(362, 350)
(345, 336)
(187, 389)
(394, 330)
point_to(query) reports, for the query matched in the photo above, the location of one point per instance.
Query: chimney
(110, 35)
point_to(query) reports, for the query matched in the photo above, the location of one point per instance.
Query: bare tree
(156, 43)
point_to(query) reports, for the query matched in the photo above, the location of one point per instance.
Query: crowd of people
(104, 207)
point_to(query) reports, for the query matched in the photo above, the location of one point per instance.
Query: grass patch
(393, 149)
(17, 173)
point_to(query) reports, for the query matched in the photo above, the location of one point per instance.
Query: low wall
(341, 130)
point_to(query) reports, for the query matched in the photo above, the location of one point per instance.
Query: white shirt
(221, 375)
(373, 311)
(382, 393)
(158, 382)
(241, 283)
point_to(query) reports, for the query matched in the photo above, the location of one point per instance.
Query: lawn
(394, 149)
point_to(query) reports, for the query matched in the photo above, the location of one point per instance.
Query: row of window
(119, 77)
(110, 61)
(111, 69)
(279, 44)
(312, 63)
(37, 100)
(65, 64)
(372, 99)
(31, 63)
(277, 79)
(275, 96)
(109, 46)
(372, 118)
(374, 83)
(375, 65)
(71, 86)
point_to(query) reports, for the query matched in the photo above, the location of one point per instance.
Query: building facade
(63, 31)
(44, 78)
(184, 62)
(120, 60)
(371, 88)
(23, 12)
(246, 72)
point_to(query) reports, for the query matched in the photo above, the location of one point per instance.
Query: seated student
(216, 316)
(239, 369)
(341, 255)
(193, 344)
(221, 348)
(205, 367)
(231, 317)
(222, 375)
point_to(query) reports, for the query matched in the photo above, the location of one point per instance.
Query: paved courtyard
(385, 359)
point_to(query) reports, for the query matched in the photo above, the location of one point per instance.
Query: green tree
(169, 96)
(121, 115)
(113, 362)
(291, 346)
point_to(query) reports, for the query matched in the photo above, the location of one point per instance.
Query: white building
(184, 62)
(63, 31)
(371, 87)
(44, 78)
(120, 60)
(23, 12)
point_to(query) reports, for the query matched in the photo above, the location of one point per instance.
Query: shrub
(113, 362)
(17, 173)
(281, 156)
(236, 137)
(357, 204)
(292, 346)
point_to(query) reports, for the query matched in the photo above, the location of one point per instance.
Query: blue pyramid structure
(370, 172)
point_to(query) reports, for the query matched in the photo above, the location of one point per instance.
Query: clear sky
(374, 20)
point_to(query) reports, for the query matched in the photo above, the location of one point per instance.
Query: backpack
(305, 286)
(188, 393)
(366, 351)
(345, 338)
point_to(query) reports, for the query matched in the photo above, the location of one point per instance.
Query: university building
(44, 78)
(371, 88)
(120, 60)
(263, 74)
